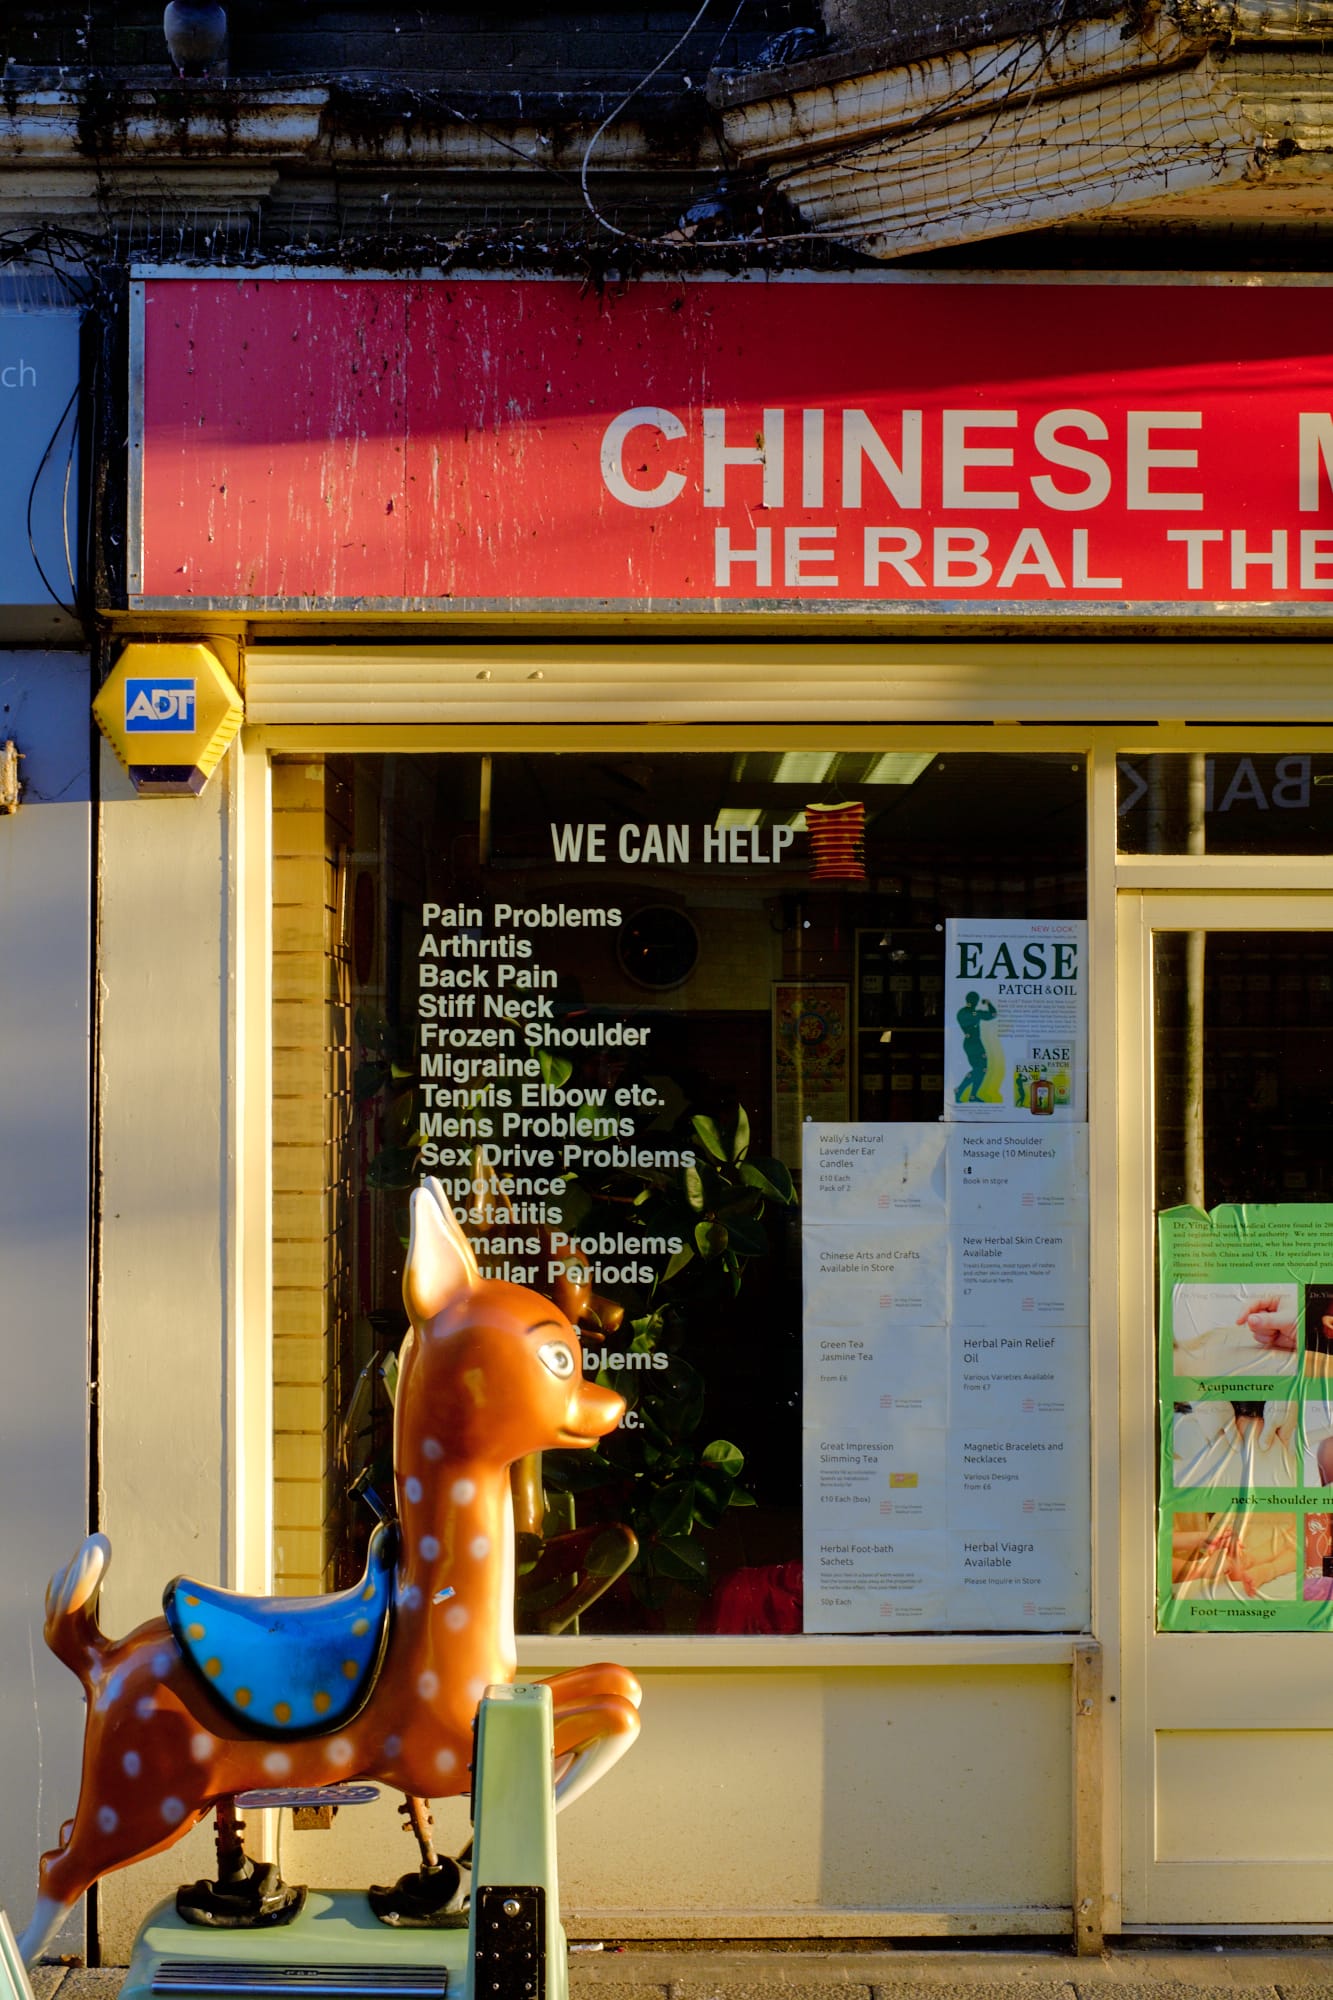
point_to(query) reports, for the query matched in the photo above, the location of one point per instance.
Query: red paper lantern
(838, 840)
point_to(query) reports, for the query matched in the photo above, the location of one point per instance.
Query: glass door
(1227, 1371)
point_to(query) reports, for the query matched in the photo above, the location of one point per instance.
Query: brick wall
(312, 1058)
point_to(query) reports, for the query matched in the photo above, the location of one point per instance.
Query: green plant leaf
(367, 1078)
(747, 1236)
(711, 1238)
(770, 1177)
(678, 1261)
(708, 1136)
(400, 1046)
(371, 1029)
(694, 1188)
(740, 1138)
(575, 1471)
(679, 1557)
(575, 1204)
(671, 1510)
(395, 1167)
(556, 1070)
(740, 1498)
(729, 1458)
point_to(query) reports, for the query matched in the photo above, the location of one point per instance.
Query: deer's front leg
(596, 1721)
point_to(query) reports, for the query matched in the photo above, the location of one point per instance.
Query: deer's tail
(71, 1629)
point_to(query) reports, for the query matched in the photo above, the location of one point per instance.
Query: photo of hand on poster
(1234, 1557)
(1239, 1329)
(1244, 1444)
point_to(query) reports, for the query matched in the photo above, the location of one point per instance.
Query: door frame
(1185, 894)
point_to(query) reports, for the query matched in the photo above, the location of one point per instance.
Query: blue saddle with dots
(288, 1666)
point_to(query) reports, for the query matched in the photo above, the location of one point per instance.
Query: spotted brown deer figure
(224, 1693)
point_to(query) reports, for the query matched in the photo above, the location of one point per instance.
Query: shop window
(787, 1052)
(1225, 802)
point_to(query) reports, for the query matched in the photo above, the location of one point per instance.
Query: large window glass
(1225, 802)
(782, 1054)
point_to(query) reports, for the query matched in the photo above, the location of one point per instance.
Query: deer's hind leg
(596, 1721)
(141, 1789)
(100, 1838)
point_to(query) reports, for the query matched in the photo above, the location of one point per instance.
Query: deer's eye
(557, 1357)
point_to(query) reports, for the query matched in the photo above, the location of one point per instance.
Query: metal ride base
(512, 1949)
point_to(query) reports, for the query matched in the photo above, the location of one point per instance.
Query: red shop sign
(510, 443)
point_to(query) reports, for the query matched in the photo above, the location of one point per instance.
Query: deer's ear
(439, 1256)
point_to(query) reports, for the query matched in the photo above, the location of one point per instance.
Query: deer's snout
(592, 1412)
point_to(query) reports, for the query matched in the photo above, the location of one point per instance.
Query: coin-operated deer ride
(227, 1695)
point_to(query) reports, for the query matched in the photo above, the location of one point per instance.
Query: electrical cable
(611, 116)
(32, 496)
(64, 502)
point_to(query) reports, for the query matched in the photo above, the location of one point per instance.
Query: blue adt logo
(159, 707)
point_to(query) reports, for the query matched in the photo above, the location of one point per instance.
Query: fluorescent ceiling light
(804, 767)
(898, 767)
(739, 816)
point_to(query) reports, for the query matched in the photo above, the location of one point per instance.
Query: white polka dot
(445, 1760)
(432, 1449)
(413, 1489)
(161, 1664)
(462, 1491)
(456, 1617)
(202, 1747)
(428, 1685)
(143, 1708)
(173, 1811)
(339, 1751)
(430, 1548)
(278, 1764)
(475, 1690)
(409, 1597)
(392, 1745)
(131, 1764)
(107, 1821)
(481, 1547)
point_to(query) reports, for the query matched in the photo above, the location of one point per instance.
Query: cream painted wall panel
(1244, 1795)
(850, 1795)
(125, 1899)
(167, 1443)
(45, 994)
(668, 681)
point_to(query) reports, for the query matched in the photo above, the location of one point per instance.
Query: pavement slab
(46, 1978)
(1301, 1971)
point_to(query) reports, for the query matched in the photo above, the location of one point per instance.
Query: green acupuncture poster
(1245, 1376)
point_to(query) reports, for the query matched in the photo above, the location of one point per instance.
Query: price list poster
(945, 1460)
